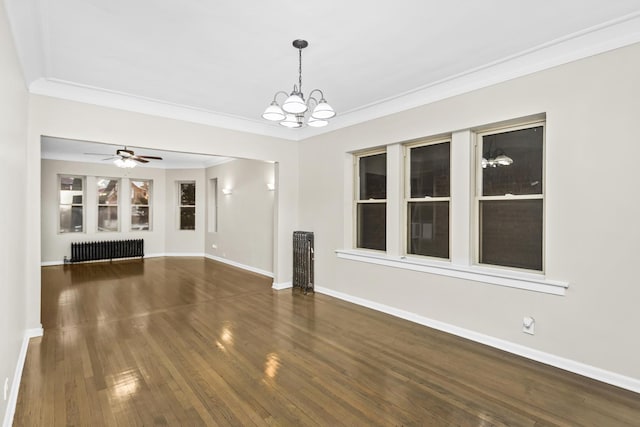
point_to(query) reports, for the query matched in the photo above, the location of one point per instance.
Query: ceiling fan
(126, 158)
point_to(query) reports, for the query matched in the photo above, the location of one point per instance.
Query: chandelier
(293, 110)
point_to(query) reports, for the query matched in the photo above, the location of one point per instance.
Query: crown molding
(610, 35)
(592, 41)
(71, 91)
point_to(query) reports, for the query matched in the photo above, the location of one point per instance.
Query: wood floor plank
(189, 341)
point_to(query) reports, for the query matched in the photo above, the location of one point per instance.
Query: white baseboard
(239, 265)
(618, 380)
(17, 376)
(177, 254)
(281, 286)
(50, 263)
(170, 254)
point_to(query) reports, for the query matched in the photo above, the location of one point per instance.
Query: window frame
(83, 204)
(134, 205)
(356, 196)
(407, 199)
(478, 197)
(99, 205)
(180, 205)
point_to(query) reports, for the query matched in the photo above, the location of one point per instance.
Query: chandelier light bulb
(316, 123)
(291, 122)
(294, 104)
(323, 111)
(503, 160)
(273, 113)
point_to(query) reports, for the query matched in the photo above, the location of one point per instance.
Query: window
(370, 204)
(427, 197)
(71, 204)
(510, 197)
(187, 205)
(141, 204)
(107, 204)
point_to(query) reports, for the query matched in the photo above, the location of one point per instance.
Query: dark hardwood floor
(188, 341)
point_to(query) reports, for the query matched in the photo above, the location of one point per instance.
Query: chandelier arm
(317, 90)
(311, 98)
(278, 93)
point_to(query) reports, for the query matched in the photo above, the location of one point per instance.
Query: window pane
(68, 197)
(140, 192)
(188, 193)
(107, 191)
(428, 229)
(139, 217)
(524, 174)
(69, 183)
(188, 218)
(71, 219)
(70, 190)
(429, 171)
(373, 177)
(372, 226)
(107, 218)
(511, 233)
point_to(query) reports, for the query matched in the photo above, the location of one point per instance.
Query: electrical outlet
(529, 325)
(6, 387)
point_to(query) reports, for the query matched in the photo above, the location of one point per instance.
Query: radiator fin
(303, 257)
(107, 250)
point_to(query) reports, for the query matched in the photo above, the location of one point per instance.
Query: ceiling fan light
(294, 104)
(323, 111)
(273, 113)
(484, 163)
(125, 163)
(291, 121)
(317, 123)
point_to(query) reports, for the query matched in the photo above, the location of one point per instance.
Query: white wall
(592, 209)
(55, 245)
(14, 172)
(68, 119)
(184, 241)
(245, 217)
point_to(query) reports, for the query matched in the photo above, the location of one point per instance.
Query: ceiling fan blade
(150, 157)
(138, 159)
(111, 158)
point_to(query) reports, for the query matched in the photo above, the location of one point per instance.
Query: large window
(370, 205)
(510, 197)
(71, 204)
(107, 204)
(187, 205)
(141, 204)
(427, 200)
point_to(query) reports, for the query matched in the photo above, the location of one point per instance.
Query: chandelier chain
(300, 72)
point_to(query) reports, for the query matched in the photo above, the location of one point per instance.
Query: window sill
(526, 281)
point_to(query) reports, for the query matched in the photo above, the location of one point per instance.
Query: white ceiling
(220, 62)
(85, 151)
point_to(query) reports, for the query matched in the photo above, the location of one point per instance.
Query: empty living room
(334, 213)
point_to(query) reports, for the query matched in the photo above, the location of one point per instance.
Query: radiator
(114, 249)
(303, 257)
